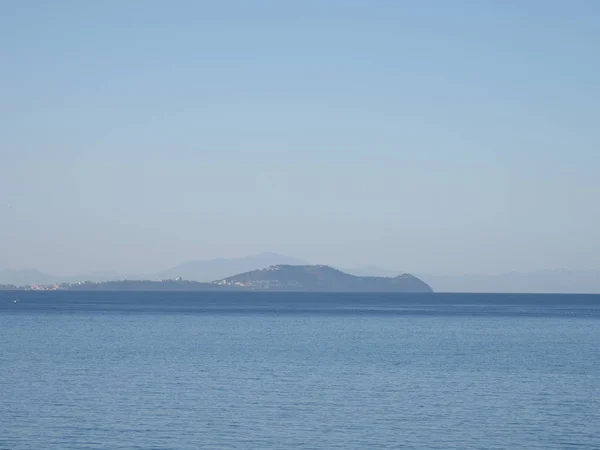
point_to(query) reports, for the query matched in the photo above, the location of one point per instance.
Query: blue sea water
(108, 370)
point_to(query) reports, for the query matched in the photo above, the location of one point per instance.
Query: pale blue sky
(424, 136)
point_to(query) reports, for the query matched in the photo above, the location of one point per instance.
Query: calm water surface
(298, 371)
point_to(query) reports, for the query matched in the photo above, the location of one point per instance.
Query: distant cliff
(320, 278)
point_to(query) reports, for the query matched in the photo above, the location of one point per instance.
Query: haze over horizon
(277, 259)
(427, 137)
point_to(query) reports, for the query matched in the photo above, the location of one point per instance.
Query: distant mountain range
(215, 269)
(203, 271)
(549, 281)
(540, 282)
(320, 278)
(28, 277)
(25, 277)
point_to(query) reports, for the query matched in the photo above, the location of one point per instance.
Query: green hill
(321, 278)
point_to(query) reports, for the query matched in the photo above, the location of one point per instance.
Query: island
(319, 278)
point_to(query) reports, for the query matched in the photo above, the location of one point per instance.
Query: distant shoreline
(279, 278)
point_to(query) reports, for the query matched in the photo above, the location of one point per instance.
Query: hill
(202, 271)
(215, 269)
(25, 277)
(370, 271)
(321, 278)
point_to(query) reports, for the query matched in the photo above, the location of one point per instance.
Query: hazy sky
(425, 136)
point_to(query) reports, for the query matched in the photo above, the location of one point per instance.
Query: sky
(422, 136)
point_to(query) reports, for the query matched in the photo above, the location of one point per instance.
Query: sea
(217, 370)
